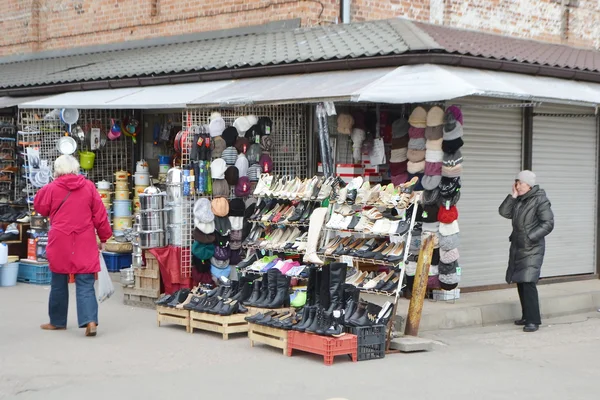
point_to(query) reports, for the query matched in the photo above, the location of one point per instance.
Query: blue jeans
(87, 306)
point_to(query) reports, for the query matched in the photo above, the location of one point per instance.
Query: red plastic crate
(326, 346)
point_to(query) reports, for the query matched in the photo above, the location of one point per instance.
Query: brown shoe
(91, 329)
(50, 327)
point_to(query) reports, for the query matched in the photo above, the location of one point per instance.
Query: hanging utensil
(69, 116)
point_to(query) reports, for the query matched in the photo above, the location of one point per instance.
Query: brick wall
(35, 25)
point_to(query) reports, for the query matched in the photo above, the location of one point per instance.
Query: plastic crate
(37, 274)
(328, 347)
(371, 341)
(116, 261)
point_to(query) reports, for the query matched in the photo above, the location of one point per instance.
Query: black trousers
(530, 305)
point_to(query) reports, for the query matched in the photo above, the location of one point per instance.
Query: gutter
(311, 67)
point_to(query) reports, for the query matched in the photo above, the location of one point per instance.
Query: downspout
(345, 11)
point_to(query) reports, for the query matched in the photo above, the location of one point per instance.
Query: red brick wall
(35, 25)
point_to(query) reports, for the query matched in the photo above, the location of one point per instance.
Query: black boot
(324, 289)
(316, 321)
(244, 290)
(282, 291)
(255, 294)
(264, 291)
(349, 310)
(337, 279)
(336, 329)
(361, 309)
(230, 307)
(307, 319)
(272, 275)
(325, 322)
(310, 287)
(369, 317)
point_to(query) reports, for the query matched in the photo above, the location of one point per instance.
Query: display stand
(173, 316)
(223, 324)
(270, 336)
(325, 346)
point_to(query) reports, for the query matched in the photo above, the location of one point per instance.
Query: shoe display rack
(223, 324)
(273, 337)
(8, 167)
(173, 316)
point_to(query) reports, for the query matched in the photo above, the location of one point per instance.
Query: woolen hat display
(430, 226)
(230, 155)
(242, 189)
(400, 128)
(218, 272)
(220, 188)
(221, 240)
(399, 155)
(447, 268)
(449, 229)
(230, 134)
(242, 124)
(431, 196)
(242, 164)
(254, 172)
(398, 168)
(345, 123)
(435, 145)
(218, 147)
(415, 168)
(220, 264)
(236, 208)
(431, 182)
(222, 225)
(216, 126)
(217, 169)
(235, 244)
(452, 172)
(220, 207)
(208, 227)
(452, 159)
(232, 175)
(416, 133)
(203, 251)
(433, 169)
(415, 155)
(266, 143)
(449, 279)
(435, 259)
(435, 116)
(253, 133)
(450, 200)
(222, 253)
(236, 257)
(449, 256)
(266, 164)
(456, 113)
(237, 223)
(434, 156)
(254, 153)
(398, 143)
(236, 235)
(455, 133)
(450, 122)
(416, 144)
(527, 177)
(429, 213)
(434, 132)
(202, 211)
(449, 185)
(266, 125)
(449, 242)
(418, 118)
(447, 215)
(202, 237)
(242, 144)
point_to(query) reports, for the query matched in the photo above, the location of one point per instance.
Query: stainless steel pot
(175, 176)
(152, 239)
(151, 220)
(127, 278)
(176, 234)
(152, 201)
(174, 193)
(175, 213)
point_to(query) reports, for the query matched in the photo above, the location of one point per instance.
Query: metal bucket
(122, 208)
(127, 278)
(151, 220)
(152, 239)
(152, 201)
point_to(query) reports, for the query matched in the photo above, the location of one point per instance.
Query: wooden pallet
(146, 287)
(224, 325)
(270, 336)
(139, 301)
(256, 310)
(173, 316)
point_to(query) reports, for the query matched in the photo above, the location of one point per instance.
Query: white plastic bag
(105, 286)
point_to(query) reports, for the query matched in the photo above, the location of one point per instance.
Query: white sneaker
(25, 220)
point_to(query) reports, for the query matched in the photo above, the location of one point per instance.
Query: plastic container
(122, 208)
(37, 274)
(3, 253)
(371, 341)
(86, 159)
(328, 347)
(8, 274)
(165, 160)
(115, 262)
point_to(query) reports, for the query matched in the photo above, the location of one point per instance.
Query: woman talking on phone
(532, 220)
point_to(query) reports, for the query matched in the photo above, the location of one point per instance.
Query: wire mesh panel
(289, 151)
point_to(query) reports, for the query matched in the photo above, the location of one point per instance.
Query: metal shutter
(492, 154)
(564, 159)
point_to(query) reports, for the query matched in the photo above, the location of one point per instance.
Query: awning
(8, 101)
(426, 82)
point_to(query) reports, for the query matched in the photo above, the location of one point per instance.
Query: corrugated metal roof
(512, 49)
(366, 39)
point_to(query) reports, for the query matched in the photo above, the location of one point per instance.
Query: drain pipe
(345, 11)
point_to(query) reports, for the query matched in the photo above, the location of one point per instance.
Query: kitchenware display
(86, 159)
(152, 190)
(121, 185)
(174, 213)
(142, 178)
(95, 138)
(121, 175)
(151, 220)
(142, 166)
(79, 134)
(103, 185)
(107, 205)
(136, 259)
(121, 194)
(152, 201)
(121, 223)
(152, 239)
(122, 208)
(176, 234)
(164, 160)
(115, 130)
(69, 116)
(139, 189)
(163, 169)
(105, 195)
(66, 145)
(136, 204)
(175, 176)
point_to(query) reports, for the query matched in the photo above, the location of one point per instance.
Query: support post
(415, 308)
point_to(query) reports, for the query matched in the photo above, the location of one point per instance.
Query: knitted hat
(434, 156)
(216, 126)
(450, 200)
(415, 167)
(345, 123)
(237, 223)
(230, 155)
(222, 253)
(254, 172)
(230, 134)
(203, 251)
(202, 211)
(453, 159)
(266, 143)
(452, 172)
(242, 189)
(236, 208)
(434, 132)
(242, 124)
(447, 268)
(397, 168)
(236, 235)
(433, 169)
(430, 226)
(435, 144)
(221, 240)
(415, 155)
(435, 116)
(449, 186)
(220, 188)
(266, 125)
(452, 146)
(447, 215)
(449, 256)
(220, 207)
(232, 174)
(448, 229)
(456, 113)
(450, 122)
(222, 225)
(416, 144)
(416, 133)
(418, 118)
(455, 133)
(254, 153)
(445, 286)
(399, 155)
(208, 227)
(431, 182)
(266, 164)
(435, 259)
(449, 280)
(202, 237)
(218, 147)
(253, 133)
(449, 242)
(429, 213)
(235, 245)
(398, 143)
(217, 169)
(242, 144)
(399, 128)
(527, 177)
(431, 196)
(242, 164)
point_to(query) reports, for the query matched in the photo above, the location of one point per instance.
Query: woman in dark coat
(532, 220)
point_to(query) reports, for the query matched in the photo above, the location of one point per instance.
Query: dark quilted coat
(532, 220)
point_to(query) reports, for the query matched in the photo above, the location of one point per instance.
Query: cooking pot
(122, 208)
(136, 260)
(152, 239)
(175, 213)
(121, 223)
(152, 190)
(151, 220)
(152, 201)
(66, 145)
(121, 175)
(176, 234)
(127, 278)
(121, 185)
(121, 194)
(174, 193)
(175, 176)
(39, 222)
(142, 178)
(104, 195)
(141, 166)
(139, 189)
(136, 204)
(103, 185)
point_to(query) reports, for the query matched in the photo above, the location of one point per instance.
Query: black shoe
(229, 308)
(316, 321)
(164, 300)
(531, 328)
(307, 319)
(298, 212)
(520, 322)
(255, 294)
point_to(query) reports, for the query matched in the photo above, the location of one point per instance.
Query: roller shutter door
(492, 154)
(564, 159)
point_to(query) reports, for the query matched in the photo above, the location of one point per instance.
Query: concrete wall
(36, 25)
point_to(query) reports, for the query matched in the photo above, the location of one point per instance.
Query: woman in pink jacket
(76, 213)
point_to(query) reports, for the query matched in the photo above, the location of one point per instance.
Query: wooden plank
(146, 273)
(152, 293)
(273, 337)
(173, 316)
(222, 324)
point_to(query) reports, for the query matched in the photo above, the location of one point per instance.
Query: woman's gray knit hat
(455, 133)
(450, 242)
(447, 268)
(202, 211)
(416, 144)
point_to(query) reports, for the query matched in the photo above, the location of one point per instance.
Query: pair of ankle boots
(320, 321)
(271, 292)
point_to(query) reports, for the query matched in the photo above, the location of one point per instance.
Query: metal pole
(415, 308)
